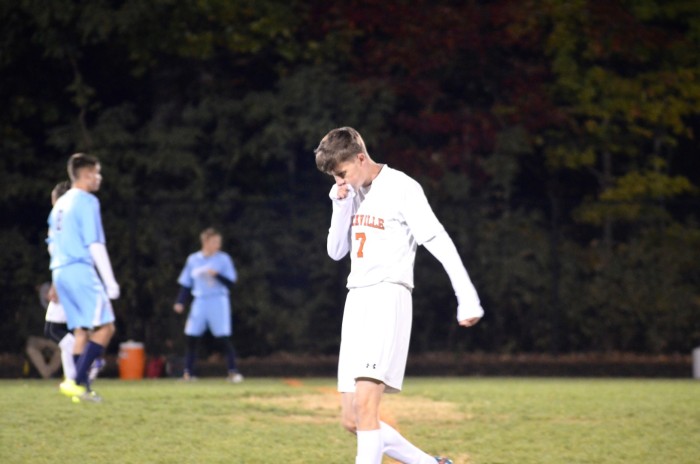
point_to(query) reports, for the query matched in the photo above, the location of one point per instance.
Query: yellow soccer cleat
(69, 388)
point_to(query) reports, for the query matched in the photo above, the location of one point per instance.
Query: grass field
(473, 420)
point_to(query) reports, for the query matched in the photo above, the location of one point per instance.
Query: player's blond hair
(208, 233)
(338, 146)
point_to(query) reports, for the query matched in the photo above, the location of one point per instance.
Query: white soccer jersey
(382, 229)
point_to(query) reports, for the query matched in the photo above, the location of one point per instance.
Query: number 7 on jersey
(362, 238)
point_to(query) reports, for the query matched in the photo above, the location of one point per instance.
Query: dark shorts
(55, 330)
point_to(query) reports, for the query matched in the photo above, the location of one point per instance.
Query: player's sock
(400, 449)
(230, 353)
(190, 355)
(91, 352)
(369, 447)
(67, 359)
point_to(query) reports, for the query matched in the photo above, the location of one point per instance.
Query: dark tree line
(555, 141)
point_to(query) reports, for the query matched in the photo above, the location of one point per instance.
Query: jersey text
(367, 220)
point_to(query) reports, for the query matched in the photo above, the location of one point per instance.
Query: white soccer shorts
(375, 336)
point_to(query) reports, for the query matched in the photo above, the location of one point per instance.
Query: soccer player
(380, 216)
(56, 327)
(207, 276)
(77, 246)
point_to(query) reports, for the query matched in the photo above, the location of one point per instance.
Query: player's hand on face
(179, 308)
(469, 322)
(343, 191)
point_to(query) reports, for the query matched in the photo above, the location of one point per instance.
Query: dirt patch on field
(323, 406)
(419, 409)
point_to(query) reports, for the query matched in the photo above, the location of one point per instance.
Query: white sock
(400, 449)
(369, 447)
(66, 346)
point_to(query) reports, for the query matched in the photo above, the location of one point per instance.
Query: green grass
(473, 420)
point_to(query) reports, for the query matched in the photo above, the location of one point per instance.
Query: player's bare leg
(368, 395)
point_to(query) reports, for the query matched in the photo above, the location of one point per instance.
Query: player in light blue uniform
(56, 327)
(77, 246)
(207, 276)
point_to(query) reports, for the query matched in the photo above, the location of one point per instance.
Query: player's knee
(364, 403)
(363, 407)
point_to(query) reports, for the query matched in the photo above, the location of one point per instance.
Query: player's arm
(184, 297)
(228, 275)
(224, 280)
(338, 242)
(98, 251)
(469, 309)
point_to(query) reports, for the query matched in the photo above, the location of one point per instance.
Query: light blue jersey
(194, 274)
(211, 307)
(74, 224)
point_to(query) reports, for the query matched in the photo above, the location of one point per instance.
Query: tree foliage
(555, 141)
